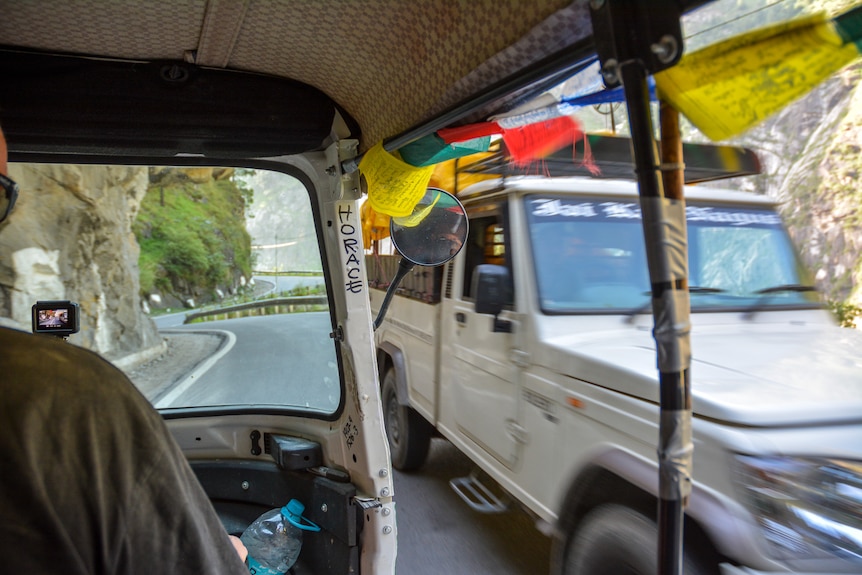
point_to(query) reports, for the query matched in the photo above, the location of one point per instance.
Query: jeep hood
(758, 374)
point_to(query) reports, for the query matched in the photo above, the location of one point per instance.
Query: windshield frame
(285, 168)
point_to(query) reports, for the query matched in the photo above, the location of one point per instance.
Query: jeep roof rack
(612, 155)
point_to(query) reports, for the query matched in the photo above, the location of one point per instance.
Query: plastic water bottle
(274, 539)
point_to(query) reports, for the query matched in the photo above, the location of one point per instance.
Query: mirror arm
(404, 267)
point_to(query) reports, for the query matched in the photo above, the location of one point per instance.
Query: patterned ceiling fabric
(563, 28)
(220, 30)
(389, 63)
(130, 29)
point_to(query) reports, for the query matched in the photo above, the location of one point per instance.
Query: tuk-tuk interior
(310, 88)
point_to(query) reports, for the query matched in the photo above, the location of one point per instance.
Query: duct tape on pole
(666, 240)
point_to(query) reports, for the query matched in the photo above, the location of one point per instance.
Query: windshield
(205, 285)
(589, 256)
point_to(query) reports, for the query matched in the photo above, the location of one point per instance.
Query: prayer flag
(728, 87)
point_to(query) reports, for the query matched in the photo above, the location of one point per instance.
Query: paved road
(268, 364)
(438, 533)
(277, 284)
(170, 320)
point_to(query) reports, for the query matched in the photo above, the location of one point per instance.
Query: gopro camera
(60, 318)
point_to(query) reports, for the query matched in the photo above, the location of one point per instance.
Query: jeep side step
(477, 495)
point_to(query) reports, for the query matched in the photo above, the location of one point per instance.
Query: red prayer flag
(535, 141)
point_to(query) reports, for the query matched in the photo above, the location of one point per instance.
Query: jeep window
(486, 244)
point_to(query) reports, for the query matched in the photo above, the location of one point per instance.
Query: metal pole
(667, 256)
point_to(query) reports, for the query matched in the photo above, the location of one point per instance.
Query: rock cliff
(70, 237)
(812, 162)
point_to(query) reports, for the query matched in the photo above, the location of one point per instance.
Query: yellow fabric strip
(374, 226)
(394, 186)
(729, 87)
(417, 216)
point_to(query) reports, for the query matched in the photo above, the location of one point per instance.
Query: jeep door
(483, 372)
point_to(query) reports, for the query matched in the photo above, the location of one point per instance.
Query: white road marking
(194, 376)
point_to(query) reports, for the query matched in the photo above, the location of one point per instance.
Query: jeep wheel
(408, 432)
(616, 540)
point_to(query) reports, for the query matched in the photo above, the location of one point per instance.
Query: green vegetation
(192, 236)
(845, 313)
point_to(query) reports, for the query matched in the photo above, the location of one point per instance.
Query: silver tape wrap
(675, 456)
(672, 312)
(672, 332)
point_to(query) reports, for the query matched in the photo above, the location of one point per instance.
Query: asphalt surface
(438, 533)
(267, 362)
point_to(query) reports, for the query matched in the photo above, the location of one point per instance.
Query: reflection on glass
(434, 233)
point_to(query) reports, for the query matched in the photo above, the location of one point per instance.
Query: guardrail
(288, 273)
(291, 303)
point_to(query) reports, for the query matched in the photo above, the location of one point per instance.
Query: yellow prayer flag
(417, 216)
(374, 226)
(394, 186)
(728, 87)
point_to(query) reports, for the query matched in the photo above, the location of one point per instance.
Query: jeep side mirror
(492, 290)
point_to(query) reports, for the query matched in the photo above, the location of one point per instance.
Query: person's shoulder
(25, 352)
(12, 338)
(42, 372)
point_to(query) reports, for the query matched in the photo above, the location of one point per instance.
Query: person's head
(8, 188)
(3, 152)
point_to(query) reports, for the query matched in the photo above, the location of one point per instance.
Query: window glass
(495, 246)
(589, 255)
(486, 244)
(731, 259)
(205, 285)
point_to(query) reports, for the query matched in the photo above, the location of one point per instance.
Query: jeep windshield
(590, 257)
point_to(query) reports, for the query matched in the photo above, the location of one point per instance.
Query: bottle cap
(293, 512)
(294, 508)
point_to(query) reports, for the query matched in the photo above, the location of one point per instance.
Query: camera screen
(56, 318)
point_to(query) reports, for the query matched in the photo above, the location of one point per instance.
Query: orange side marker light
(575, 402)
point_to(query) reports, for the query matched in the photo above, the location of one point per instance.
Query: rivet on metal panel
(611, 71)
(665, 49)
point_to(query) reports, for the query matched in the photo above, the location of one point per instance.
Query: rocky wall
(70, 237)
(811, 159)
